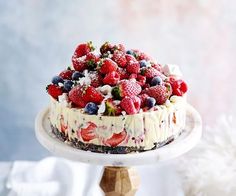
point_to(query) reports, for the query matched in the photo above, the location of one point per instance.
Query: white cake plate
(185, 142)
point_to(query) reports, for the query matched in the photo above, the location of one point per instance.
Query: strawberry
(159, 92)
(81, 95)
(141, 55)
(133, 76)
(79, 64)
(150, 72)
(179, 87)
(105, 48)
(123, 73)
(116, 138)
(126, 88)
(83, 49)
(141, 80)
(143, 98)
(91, 60)
(107, 66)
(111, 78)
(119, 47)
(54, 90)
(131, 104)
(66, 74)
(119, 58)
(88, 133)
(63, 125)
(156, 66)
(96, 79)
(130, 58)
(133, 67)
(111, 108)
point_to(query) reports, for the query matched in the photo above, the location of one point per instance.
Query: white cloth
(59, 177)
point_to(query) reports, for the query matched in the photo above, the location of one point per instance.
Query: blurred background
(38, 37)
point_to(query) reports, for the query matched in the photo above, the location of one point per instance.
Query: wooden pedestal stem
(119, 181)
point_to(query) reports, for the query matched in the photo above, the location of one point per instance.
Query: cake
(118, 101)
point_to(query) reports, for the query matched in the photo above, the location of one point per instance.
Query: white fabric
(60, 177)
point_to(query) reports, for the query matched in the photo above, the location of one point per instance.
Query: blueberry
(57, 79)
(156, 81)
(143, 63)
(68, 85)
(91, 108)
(150, 101)
(77, 75)
(130, 52)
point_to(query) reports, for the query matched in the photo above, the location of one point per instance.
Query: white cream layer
(143, 129)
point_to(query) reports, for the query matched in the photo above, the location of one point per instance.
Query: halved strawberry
(111, 108)
(63, 125)
(88, 133)
(116, 138)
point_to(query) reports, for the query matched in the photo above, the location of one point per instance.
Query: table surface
(182, 144)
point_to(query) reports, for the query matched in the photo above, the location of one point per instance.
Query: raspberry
(111, 78)
(66, 74)
(150, 72)
(133, 67)
(119, 58)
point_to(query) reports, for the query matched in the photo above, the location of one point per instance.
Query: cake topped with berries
(115, 100)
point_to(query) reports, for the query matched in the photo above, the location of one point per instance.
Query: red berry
(96, 79)
(133, 76)
(106, 47)
(141, 80)
(119, 47)
(66, 74)
(143, 98)
(156, 66)
(179, 87)
(126, 88)
(123, 73)
(130, 58)
(131, 104)
(111, 108)
(54, 90)
(133, 67)
(119, 58)
(83, 49)
(88, 133)
(91, 60)
(79, 64)
(107, 66)
(111, 78)
(81, 95)
(116, 139)
(150, 72)
(159, 92)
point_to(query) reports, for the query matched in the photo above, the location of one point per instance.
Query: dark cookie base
(104, 149)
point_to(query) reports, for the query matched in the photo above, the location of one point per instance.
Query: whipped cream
(172, 70)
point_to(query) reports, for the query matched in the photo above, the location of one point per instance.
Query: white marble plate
(179, 146)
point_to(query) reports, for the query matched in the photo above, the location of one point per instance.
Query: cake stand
(119, 178)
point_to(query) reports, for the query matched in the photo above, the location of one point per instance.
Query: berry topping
(88, 133)
(77, 75)
(150, 102)
(115, 80)
(57, 79)
(66, 74)
(131, 104)
(54, 90)
(68, 85)
(111, 78)
(91, 108)
(156, 81)
(116, 138)
(126, 88)
(159, 92)
(83, 49)
(107, 66)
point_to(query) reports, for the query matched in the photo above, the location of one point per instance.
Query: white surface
(181, 145)
(59, 177)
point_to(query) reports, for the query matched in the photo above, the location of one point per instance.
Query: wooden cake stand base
(118, 179)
